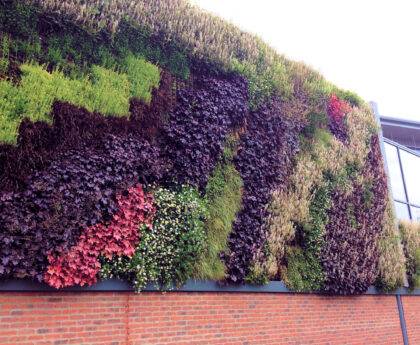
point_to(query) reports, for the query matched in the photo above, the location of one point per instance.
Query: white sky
(371, 47)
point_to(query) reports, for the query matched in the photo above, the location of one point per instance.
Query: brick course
(411, 306)
(203, 318)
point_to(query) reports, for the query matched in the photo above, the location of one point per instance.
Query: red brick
(203, 318)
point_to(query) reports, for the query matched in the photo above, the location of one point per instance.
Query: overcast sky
(369, 46)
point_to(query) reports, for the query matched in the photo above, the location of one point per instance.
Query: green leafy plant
(224, 194)
(169, 250)
(143, 77)
(4, 55)
(304, 270)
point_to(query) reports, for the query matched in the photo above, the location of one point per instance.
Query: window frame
(406, 149)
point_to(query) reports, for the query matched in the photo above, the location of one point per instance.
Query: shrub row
(33, 34)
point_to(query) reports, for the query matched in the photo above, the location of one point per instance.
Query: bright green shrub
(304, 273)
(4, 55)
(169, 250)
(110, 92)
(264, 81)
(143, 77)
(224, 194)
(8, 107)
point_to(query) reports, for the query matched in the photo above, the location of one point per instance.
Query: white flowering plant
(167, 251)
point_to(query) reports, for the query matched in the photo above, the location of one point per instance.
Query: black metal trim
(401, 147)
(115, 285)
(398, 122)
(404, 184)
(402, 319)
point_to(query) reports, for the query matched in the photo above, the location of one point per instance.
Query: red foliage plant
(120, 236)
(337, 110)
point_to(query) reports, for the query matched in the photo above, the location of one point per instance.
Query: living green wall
(154, 142)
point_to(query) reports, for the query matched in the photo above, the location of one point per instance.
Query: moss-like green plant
(169, 250)
(264, 81)
(304, 273)
(4, 55)
(416, 280)
(304, 269)
(143, 77)
(224, 193)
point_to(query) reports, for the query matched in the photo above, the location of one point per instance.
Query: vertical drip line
(402, 319)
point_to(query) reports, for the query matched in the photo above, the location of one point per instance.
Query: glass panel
(401, 210)
(415, 213)
(411, 168)
(394, 171)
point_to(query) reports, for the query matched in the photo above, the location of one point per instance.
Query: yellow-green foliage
(224, 194)
(391, 264)
(103, 90)
(263, 81)
(410, 233)
(323, 153)
(4, 54)
(143, 77)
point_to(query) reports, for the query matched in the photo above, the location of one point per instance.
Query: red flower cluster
(337, 110)
(120, 236)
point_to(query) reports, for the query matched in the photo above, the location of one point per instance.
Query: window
(404, 174)
(415, 213)
(411, 168)
(401, 210)
(394, 171)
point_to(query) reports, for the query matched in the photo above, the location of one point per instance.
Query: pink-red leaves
(337, 110)
(80, 265)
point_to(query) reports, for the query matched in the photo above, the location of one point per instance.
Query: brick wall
(203, 318)
(411, 306)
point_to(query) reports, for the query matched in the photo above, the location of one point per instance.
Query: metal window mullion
(403, 179)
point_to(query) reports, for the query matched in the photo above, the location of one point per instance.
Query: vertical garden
(154, 142)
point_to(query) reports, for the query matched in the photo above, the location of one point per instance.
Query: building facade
(401, 145)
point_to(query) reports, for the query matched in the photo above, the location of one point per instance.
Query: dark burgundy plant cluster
(264, 160)
(196, 130)
(350, 255)
(76, 191)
